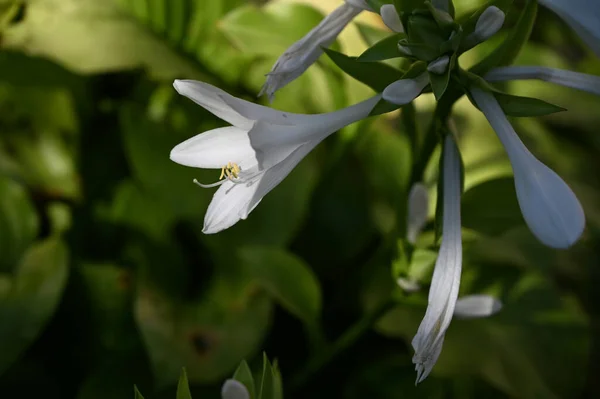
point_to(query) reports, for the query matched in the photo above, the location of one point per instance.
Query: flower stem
(346, 340)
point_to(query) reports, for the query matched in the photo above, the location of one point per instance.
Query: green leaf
(287, 278)
(183, 386)
(439, 83)
(491, 207)
(136, 393)
(277, 383)
(376, 75)
(371, 34)
(266, 384)
(510, 48)
(19, 223)
(525, 106)
(243, 374)
(383, 50)
(30, 298)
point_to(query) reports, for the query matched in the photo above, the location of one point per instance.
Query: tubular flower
(302, 54)
(445, 282)
(549, 206)
(583, 16)
(257, 152)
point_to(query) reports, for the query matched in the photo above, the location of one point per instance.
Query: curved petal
(477, 306)
(404, 91)
(215, 148)
(445, 282)
(574, 80)
(233, 389)
(549, 206)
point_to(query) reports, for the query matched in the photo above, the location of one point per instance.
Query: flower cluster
(263, 145)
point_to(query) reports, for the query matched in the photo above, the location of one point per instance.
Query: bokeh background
(107, 281)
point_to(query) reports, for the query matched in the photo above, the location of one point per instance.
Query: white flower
(404, 91)
(488, 24)
(257, 152)
(583, 16)
(445, 282)
(476, 306)
(549, 206)
(418, 209)
(233, 389)
(390, 18)
(302, 54)
(574, 80)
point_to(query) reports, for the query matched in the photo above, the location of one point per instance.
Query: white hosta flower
(233, 389)
(583, 16)
(549, 206)
(302, 54)
(390, 18)
(476, 306)
(445, 282)
(257, 152)
(488, 24)
(574, 80)
(404, 91)
(418, 209)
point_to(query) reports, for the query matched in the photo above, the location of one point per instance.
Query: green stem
(349, 338)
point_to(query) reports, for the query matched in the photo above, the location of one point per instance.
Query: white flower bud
(390, 18)
(439, 66)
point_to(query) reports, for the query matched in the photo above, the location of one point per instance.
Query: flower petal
(362, 4)
(404, 91)
(445, 282)
(574, 80)
(215, 148)
(390, 18)
(549, 206)
(302, 54)
(233, 389)
(477, 306)
(418, 209)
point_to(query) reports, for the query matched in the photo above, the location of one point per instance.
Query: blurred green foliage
(106, 280)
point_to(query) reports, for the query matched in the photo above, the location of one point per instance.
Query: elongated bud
(404, 91)
(390, 18)
(490, 22)
(439, 66)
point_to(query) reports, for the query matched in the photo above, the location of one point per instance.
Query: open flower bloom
(574, 80)
(257, 152)
(233, 389)
(583, 16)
(302, 54)
(549, 206)
(445, 282)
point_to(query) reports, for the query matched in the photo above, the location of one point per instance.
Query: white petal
(574, 80)
(477, 306)
(362, 4)
(418, 209)
(233, 389)
(439, 65)
(445, 282)
(390, 18)
(302, 54)
(404, 91)
(238, 112)
(215, 148)
(582, 16)
(549, 206)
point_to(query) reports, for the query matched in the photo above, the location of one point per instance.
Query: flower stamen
(230, 172)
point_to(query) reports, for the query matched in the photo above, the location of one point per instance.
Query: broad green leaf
(525, 106)
(244, 375)
(287, 278)
(382, 50)
(183, 386)
(491, 207)
(376, 75)
(19, 223)
(91, 37)
(266, 384)
(35, 291)
(506, 52)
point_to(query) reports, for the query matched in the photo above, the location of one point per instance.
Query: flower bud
(439, 66)
(390, 18)
(490, 22)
